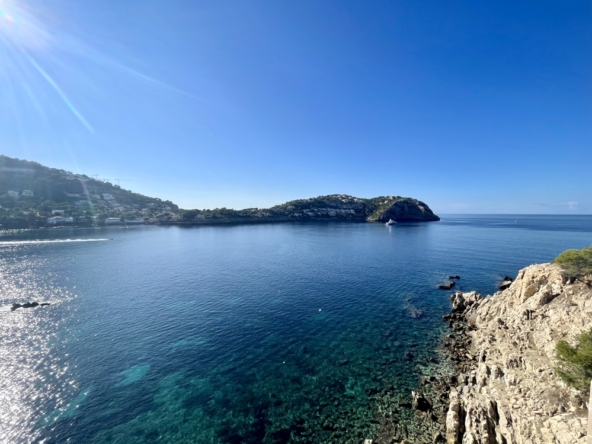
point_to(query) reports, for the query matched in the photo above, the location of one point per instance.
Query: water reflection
(33, 372)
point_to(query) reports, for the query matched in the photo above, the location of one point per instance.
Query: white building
(108, 196)
(61, 212)
(28, 193)
(112, 221)
(58, 220)
(13, 194)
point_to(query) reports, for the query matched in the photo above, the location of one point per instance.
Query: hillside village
(32, 196)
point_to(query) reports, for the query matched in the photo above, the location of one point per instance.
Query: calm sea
(241, 334)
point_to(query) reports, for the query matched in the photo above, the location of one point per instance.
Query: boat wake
(41, 242)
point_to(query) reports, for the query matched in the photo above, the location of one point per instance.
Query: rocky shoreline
(502, 387)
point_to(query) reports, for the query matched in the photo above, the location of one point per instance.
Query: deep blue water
(254, 334)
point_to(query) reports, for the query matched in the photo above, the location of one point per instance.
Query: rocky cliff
(504, 347)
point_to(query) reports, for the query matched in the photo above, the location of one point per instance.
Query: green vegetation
(576, 264)
(31, 193)
(381, 204)
(575, 363)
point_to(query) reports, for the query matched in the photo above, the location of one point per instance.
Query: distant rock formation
(507, 390)
(404, 209)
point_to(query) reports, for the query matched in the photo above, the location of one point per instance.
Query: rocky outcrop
(404, 210)
(447, 286)
(504, 347)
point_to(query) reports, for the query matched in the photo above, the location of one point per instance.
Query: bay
(251, 334)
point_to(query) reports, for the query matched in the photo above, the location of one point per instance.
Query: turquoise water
(242, 334)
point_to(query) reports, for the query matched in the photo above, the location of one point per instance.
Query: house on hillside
(28, 193)
(112, 221)
(13, 194)
(60, 212)
(58, 220)
(108, 196)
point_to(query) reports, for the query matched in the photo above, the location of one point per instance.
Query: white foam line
(40, 242)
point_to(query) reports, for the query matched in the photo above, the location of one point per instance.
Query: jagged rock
(454, 419)
(463, 301)
(507, 391)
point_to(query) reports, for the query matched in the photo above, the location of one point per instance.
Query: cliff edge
(505, 349)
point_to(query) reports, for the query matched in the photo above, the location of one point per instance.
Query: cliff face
(507, 391)
(404, 210)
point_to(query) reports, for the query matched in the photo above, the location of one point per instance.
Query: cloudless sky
(472, 107)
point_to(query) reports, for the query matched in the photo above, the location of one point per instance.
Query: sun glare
(20, 27)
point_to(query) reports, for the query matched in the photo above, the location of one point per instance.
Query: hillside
(335, 207)
(33, 195)
(30, 193)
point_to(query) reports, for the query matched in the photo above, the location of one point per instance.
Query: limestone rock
(508, 391)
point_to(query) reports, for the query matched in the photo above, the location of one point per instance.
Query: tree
(575, 363)
(576, 264)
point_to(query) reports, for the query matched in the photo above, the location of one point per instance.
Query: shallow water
(253, 334)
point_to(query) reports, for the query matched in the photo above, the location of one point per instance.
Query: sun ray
(60, 92)
(32, 45)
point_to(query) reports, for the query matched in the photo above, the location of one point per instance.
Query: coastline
(502, 350)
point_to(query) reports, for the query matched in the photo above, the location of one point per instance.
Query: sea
(271, 333)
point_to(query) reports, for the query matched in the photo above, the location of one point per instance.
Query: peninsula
(36, 196)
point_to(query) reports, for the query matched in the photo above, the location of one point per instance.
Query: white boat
(391, 222)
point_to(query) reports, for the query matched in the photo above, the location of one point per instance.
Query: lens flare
(37, 53)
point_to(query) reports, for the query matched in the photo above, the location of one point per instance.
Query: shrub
(575, 363)
(575, 263)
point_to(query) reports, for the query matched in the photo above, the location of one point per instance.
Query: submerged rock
(446, 286)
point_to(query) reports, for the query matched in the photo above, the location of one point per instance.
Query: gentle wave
(55, 241)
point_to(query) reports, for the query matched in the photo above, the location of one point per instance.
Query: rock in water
(419, 402)
(446, 286)
(26, 305)
(505, 283)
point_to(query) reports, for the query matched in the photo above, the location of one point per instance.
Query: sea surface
(239, 334)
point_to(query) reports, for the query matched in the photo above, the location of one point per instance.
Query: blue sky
(473, 107)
